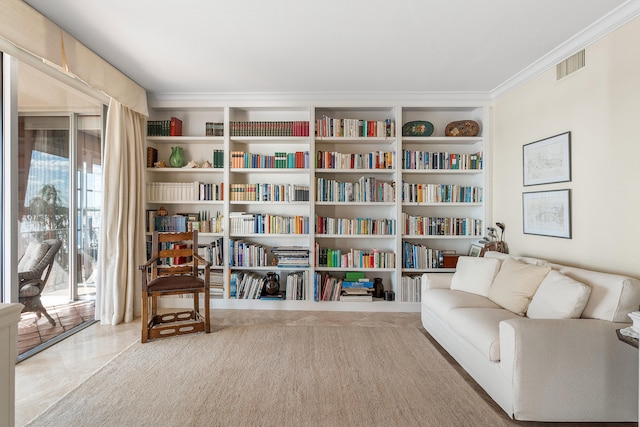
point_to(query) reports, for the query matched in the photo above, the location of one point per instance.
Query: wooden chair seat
(161, 279)
(175, 283)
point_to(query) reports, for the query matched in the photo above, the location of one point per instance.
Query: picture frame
(547, 213)
(547, 161)
(475, 250)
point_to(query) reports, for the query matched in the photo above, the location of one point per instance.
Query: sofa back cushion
(32, 256)
(612, 297)
(559, 297)
(515, 284)
(474, 275)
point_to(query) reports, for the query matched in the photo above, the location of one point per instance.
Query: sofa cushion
(441, 301)
(480, 327)
(612, 297)
(474, 275)
(515, 284)
(559, 297)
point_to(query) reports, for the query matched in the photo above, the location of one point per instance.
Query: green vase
(176, 160)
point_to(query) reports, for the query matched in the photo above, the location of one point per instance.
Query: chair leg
(145, 317)
(207, 320)
(40, 310)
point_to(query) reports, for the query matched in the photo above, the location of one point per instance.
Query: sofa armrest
(436, 281)
(569, 369)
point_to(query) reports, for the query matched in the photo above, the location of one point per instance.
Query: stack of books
(291, 256)
(356, 287)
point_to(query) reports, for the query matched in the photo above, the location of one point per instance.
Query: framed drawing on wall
(548, 160)
(547, 213)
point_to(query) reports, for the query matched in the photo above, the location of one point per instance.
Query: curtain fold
(122, 235)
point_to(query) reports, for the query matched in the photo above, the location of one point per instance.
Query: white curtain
(122, 239)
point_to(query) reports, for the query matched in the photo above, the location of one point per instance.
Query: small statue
(160, 164)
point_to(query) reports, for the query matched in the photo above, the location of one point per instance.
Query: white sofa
(553, 353)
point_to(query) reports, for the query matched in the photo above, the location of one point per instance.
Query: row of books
(354, 258)
(171, 127)
(354, 287)
(171, 223)
(269, 192)
(440, 226)
(200, 221)
(327, 288)
(269, 128)
(184, 191)
(443, 160)
(218, 159)
(350, 128)
(247, 254)
(245, 223)
(296, 285)
(214, 129)
(279, 160)
(365, 189)
(421, 257)
(291, 256)
(441, 193)
(213, 252)
(246, 285)
(359, 226)
(372, 160)
(410, 288)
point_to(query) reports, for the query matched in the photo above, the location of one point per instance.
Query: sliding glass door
(59, 199)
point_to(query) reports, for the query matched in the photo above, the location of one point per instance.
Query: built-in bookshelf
(315, 194)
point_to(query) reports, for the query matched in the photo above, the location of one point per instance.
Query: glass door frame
(9, 179)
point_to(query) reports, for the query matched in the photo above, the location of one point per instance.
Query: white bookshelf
(198, 147)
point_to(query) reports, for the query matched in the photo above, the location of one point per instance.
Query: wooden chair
(173, 269)
(34, 268)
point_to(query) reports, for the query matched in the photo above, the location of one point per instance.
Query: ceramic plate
(417, 128)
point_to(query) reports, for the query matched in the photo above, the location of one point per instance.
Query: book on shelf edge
(175, 127)
(152, 157)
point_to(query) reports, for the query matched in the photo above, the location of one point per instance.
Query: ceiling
(300, 46)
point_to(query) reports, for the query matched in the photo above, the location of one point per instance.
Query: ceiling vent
(569, 65)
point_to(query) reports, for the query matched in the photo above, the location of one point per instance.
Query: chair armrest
(206, 263)
(148, 263)
(29, 275)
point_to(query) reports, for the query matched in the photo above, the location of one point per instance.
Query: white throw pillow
(475, 275)
(515, 284)
(559, 297)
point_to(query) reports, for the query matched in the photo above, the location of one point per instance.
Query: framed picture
(547, 213)
(475, 250)
(548, 160)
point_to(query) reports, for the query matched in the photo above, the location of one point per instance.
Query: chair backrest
(37, 257)
(176, 252)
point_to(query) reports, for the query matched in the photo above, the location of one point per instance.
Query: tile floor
(33, 331)
(44, 378)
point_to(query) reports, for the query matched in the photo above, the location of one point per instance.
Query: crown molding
(182, 100)
(605, 25)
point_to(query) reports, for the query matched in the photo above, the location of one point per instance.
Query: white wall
(600, 105)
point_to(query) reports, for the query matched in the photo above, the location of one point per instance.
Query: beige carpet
(278, 375)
